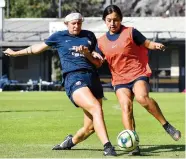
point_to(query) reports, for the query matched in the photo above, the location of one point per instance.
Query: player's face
(74, 26)
(113, 22)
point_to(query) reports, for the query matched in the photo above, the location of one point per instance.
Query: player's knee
(126, 107)
(142, 100)
(96, 110)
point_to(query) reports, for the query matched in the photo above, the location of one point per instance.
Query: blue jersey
(70, 59)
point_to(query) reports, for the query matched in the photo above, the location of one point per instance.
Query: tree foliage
(50, 8)
(93, 8)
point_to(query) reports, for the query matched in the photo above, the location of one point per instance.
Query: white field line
(116, 106)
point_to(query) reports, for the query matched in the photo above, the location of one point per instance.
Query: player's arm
(34, 49)
(140, 39)
(93, 57)
(98, 59)
(98, 55)
(153, 45)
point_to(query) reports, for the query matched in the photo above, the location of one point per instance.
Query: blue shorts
(131, 84)
(79, 79)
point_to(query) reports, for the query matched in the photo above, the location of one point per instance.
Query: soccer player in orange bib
(125, 50)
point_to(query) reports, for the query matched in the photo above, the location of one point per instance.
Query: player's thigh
(84, 98)
(141, 88)
(125, 96)
(88, 120)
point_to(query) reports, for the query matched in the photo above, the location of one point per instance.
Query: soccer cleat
(65, 145)
(135, 152)
(104, 98)
(175, 134)
(109, 151)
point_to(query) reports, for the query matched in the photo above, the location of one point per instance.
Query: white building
(167, 66)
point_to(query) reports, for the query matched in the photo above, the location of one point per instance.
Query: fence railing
(9, 35)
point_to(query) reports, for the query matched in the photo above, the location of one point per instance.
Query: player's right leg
(125, 98)
(81, 95)
(85, 99)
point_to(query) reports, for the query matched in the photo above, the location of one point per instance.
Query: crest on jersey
(89, 42)
(78, 83)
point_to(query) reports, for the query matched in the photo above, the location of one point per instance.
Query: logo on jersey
(78, 83)
(74, 53)
(113, 46)
(89, 42)
(67, 41)
(77, 54)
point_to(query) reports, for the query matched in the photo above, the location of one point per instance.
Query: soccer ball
(127, 140)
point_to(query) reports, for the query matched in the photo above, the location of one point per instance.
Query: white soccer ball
(127, 140)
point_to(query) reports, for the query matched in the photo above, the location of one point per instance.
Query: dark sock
(71, 143)
(165, 126)
(108, 144)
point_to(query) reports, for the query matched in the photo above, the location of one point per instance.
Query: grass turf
(31, 123)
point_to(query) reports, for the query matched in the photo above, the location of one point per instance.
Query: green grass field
(31, 123)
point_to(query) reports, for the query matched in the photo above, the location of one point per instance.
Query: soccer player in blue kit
(81, 80)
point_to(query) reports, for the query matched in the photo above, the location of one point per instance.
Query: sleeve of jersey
(138, 37)
(98, 50)
(52, 40)
(93, 41)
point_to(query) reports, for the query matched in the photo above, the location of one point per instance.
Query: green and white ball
(127, 140)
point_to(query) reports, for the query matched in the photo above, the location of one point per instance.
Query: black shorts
(79, 79)
(131, 84)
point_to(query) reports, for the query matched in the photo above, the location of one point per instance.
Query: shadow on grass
(149, 150)
(146, 150)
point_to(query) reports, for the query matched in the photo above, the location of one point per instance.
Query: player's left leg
(80, 135)
(141, 92)
(86, 130)
(67, 144)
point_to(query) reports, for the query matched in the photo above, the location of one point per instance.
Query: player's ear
(66, 23)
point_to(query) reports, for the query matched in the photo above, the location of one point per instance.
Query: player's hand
(160, 46)
(98, 56)
(81, 49)
(9, 52)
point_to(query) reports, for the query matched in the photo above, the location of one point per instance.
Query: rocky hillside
(151, 8)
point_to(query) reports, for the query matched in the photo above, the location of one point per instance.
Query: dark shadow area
(84, 149)
(155, 150)
(162, 148)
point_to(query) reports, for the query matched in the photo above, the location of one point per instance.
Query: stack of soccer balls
(127, 140)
